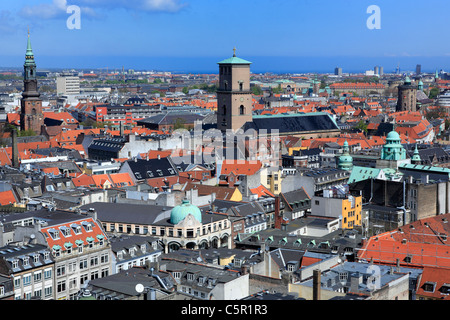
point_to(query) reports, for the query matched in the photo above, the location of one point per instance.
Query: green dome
(393, 135)
(180, 212)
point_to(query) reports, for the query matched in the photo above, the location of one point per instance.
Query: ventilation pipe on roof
(158, 278)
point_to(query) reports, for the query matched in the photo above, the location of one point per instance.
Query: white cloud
(57, 8)
(139, 5)
(45, 10)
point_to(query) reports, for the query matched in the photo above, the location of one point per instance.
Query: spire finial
(234, 51)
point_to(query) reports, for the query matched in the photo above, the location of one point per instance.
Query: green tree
(26, 133)
(179, 124)
(256, 90)
(434, 92)
(362, 125)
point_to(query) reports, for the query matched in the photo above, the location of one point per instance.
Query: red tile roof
(438, 278)
(95, 234)
(240, 167)
(418, 244)
(7, 197)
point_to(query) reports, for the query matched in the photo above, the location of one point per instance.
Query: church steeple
(31, 117)
(416, 157)
(29, 72)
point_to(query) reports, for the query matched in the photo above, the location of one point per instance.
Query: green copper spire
(29, 56)
(416, 157)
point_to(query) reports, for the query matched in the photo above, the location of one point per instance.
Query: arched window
(224, 109)
(241, 110)
(241, 86)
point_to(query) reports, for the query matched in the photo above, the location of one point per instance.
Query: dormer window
(290, 267)
(143, 248)
(25, 261)
(65, 231)
(54, 234)
(15, 263)
(56, 250)
(36, 258)
(87, 226)
(190, 276)
(445, 289)
(131, 251)
(76, 228)
(46, 255)
(429, 286)
(211, 282)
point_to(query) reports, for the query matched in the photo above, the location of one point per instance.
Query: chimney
(15, 150)
(121, 128)
(278, 215)
(316, 284)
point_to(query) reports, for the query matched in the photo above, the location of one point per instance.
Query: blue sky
(192, 35)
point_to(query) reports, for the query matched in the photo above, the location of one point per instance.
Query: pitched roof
(439, 279)
(88, 231)
(222, 193)
(244, 167)
(121, 179)
(83, 180)
(7, 197)
(262, 191)
(316, 121)
(419, 244)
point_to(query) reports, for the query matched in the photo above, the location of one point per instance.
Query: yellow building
(351, 212)
(348, 208)
(272, 180)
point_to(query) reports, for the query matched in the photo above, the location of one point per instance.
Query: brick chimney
(316, 284)
(278, 215)
(15, 150)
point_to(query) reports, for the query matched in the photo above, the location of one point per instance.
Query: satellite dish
(139, 288)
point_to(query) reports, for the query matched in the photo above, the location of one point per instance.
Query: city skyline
(192, 35)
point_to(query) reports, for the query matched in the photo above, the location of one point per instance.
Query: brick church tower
(234, 98)
(407, 96)
(31, 116)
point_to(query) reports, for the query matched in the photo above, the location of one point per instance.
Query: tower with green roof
(415, 159)
(393, 153)
(234, 98)
(31, 117)
(345, 160)
(407, 96)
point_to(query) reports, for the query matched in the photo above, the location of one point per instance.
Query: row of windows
(161, 231)
(30, 278)
(135, 263)
(83, 264)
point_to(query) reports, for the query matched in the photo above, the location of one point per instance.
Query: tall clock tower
(31, 116)
(234, 98)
